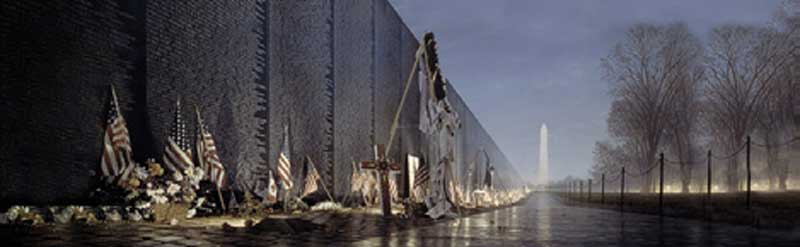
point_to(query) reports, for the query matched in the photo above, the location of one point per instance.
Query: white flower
(173, 188)
(134, 216)
(13, 213)
(142, 204)
(155, 192)
(132, 195)
(189, 172)
(199, 173)
(199, 202)
(190, 213)
(159, 199)
(177, 176)
(141, 173)
(113, 215)
(196, 176)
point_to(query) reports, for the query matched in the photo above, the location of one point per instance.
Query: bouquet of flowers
(151, 187)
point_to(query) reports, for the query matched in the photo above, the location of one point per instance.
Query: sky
(520, 63)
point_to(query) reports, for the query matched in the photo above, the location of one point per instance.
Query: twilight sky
(519, 63)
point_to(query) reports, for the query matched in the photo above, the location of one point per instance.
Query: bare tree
(650, 71)
(773, 128)
(608, 159)
(683, 115)
(743, 64)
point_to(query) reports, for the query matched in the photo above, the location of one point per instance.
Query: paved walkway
(542, 221)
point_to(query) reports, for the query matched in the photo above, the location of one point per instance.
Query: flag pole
(324, 187)
(395, 122)
(221, 200)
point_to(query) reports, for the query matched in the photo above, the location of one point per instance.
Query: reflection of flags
(423, 175)
(272, 190)
(207, 155)
(284, 165)
(116, 142)
(177, 156)
(312, 177)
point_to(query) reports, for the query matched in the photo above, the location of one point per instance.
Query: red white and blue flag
(422, 176)
(177, 155)
(208, 158)
(117, 150)
(272, 190)
(284, 162)
(312, 178)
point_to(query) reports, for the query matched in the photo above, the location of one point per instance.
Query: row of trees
(674, 93)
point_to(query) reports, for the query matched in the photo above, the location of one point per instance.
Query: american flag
(116, 142)
(423, 175)
(177, 156)
(356, 179)
(207, 154)
(393, 193)
(284, 164)
(312, 177)
(272, 190)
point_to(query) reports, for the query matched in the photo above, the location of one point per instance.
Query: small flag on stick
(208, 158)
(272, 190)
(312, 179)
(284, 163)
(117, 150)
(177, 156)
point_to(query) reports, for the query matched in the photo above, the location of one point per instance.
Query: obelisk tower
(543, 159)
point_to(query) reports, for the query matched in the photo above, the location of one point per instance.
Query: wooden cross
(383, 167)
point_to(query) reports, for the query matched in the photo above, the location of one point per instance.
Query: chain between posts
(646, 171)
(730, 155)
(620, 175)
(776, 145)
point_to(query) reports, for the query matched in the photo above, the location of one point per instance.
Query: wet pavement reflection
(541, 221)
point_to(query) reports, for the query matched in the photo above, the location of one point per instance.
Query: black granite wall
(57, 61)
(354, 76)
(333, 71)
(205, 53)
(301, 80)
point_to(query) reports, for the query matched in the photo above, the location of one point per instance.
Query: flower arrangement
(142, 191)
(153, 186)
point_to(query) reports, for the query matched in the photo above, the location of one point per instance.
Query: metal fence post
(661, 187)
(748, 172)
(708, 181)
(622, 189)
(603, 189)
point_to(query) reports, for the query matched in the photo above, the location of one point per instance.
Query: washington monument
(543, 162)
